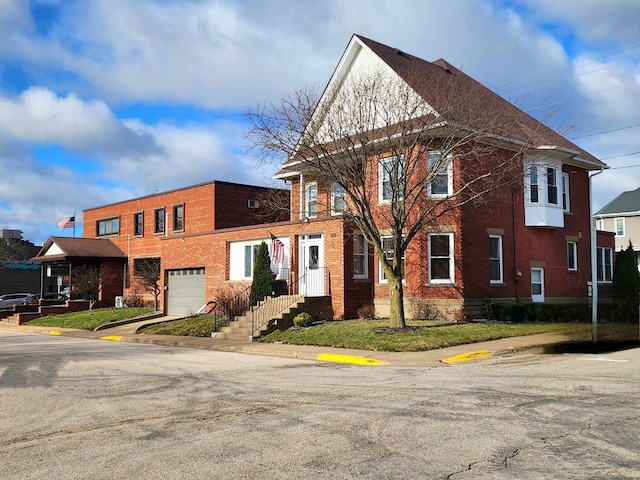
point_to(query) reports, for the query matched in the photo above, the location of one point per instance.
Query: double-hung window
(604, 264)
(441, 266)
(360, 257)
(391, 179)
(338, 199)
(572, 256)
(566, 206)
(495, 259)
(138, 224)
(534, 193)
(619, 222)
(440, 173)
(158, 220)
(311, 197)
(387, 247)
(552, 185)
(178, 217)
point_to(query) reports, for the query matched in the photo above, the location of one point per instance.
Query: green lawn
(89, 319)
(189, 327)
(374, 335)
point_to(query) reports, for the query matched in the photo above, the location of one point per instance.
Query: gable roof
(65, 248)
(439, 82)
(626, 202)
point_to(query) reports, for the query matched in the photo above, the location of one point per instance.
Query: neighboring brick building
(521, 247)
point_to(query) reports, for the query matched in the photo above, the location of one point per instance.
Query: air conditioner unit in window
(120, 303)
(253, 204)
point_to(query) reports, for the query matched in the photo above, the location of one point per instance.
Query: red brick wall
(211, 251)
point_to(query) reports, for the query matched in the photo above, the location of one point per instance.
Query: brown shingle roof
(79, 248)
(439, 82)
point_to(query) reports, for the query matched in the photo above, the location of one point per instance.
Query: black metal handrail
(231, 309)
(315, 281)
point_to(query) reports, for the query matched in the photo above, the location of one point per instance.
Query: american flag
(67, 223)
(277, 250)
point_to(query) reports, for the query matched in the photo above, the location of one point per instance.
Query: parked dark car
(10, 299)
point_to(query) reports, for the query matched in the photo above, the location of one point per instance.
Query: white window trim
(574, 253)
(542, 168)
(307, 192)
(334, 211)
(449, 176)
(530, 185)
(615, 226)
(381, 277)
(500, 259)
(564, 192)
(364, 275)
(381, 173)
(554, 174)
(451, 279)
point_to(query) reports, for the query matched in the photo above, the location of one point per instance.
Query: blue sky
(105, 100)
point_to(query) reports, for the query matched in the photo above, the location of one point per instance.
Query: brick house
(621, 216)
(525, 247)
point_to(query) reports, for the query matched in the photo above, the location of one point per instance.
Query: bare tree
(401, 162)
(146, 272)
(87, 282)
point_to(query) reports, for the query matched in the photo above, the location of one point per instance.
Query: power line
(602, 57)
(606, 131)
(619, 156)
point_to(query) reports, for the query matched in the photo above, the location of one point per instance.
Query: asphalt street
(83, 408)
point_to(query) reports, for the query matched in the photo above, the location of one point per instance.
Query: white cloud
(39, 116)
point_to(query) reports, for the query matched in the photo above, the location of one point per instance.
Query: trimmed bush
(263, 277)
(539, 312)
(303, 320)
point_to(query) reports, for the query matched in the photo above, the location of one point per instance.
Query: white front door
(537, 284)
(311, 265)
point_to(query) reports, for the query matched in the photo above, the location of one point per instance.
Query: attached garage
(185, 291)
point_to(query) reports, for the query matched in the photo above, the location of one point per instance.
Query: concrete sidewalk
(127, 333)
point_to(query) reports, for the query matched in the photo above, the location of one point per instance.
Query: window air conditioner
(254, 204)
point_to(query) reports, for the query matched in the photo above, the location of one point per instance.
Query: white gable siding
(359, 69)
(53, 250)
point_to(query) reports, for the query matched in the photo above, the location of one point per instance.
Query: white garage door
(185, 292)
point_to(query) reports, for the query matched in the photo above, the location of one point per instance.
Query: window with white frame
(619, 222)
(566, 205)
(604, 264)
(600, 224)
(495, 259)
(311, 199)
(441, 267)
(338, 199)
(440, 170)
(534, 195)
(391, 176)
(360, 256)
(572, 256)
(552, 185)
(387, 247)
(250, 255)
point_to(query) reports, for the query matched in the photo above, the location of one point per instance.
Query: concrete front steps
(272, 313)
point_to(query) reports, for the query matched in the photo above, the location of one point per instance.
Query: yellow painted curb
(330, 357)
(55, 332)
(113, 338)
(466, 357)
